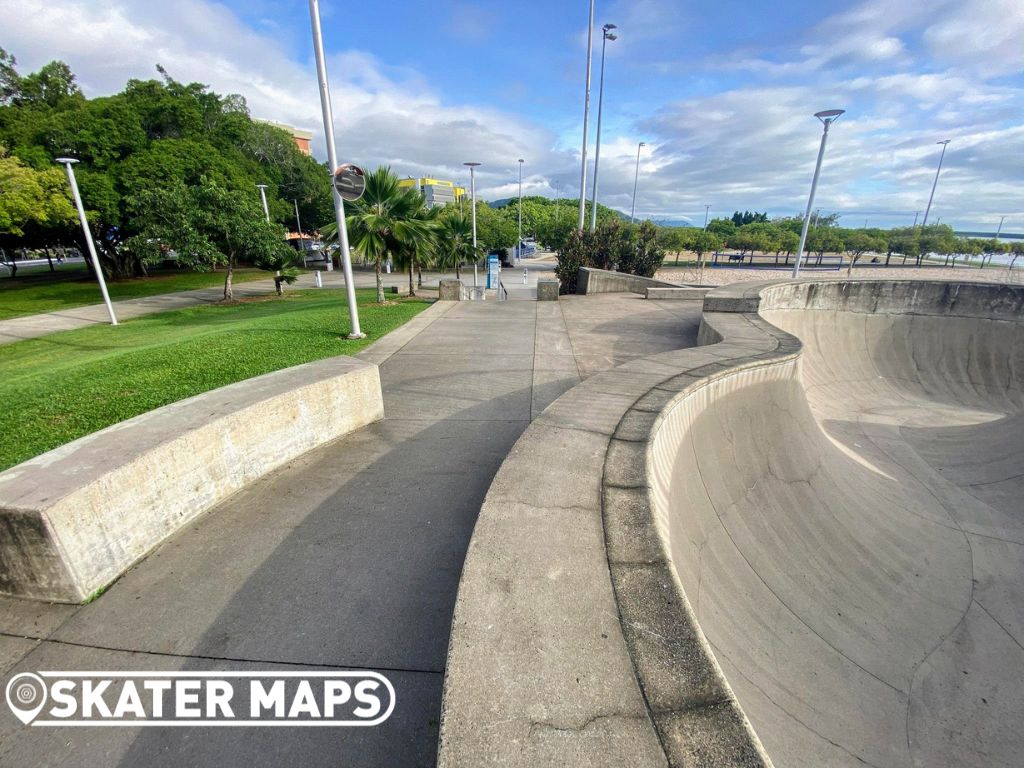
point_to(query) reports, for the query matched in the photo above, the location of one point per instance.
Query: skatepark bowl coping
(799, 544)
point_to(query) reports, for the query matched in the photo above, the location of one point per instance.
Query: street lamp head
(609, 27)
(261, 186)
(944, 141)
(829, 115)
(642, 144)
(471, 165)
(521, 160)
(65, 160)
(610, 36)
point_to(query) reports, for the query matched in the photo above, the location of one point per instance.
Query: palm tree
(420, 249)
(382, 223)
(455, 238)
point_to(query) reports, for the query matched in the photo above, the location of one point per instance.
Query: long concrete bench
(74, 519)
(575, 640)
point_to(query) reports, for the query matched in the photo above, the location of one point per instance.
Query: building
(302, 138)
(435, 191)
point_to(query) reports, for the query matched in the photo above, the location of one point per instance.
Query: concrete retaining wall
(679, 293)
(75, 518)
(590, 280)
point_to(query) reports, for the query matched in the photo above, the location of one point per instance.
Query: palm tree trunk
(412, 288)
(380, 281)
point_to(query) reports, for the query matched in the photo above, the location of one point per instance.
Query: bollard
(317, 279)
(525, 277)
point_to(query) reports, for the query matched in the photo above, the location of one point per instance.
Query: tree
(381, 222)
(644, 255)
(859, 242)
(455, 239)
(421, 245)
(207, 226)
(822, 239)
(724, 228)
(573, 254)
(702, 243)
(29, 197)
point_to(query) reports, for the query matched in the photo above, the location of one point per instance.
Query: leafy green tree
(724, 228)
(858, 242)
(644, 255)
(207, 225)
(703, 243)
(574, 253)
(29, 197)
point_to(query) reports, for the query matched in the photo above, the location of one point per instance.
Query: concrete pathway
(349, 556)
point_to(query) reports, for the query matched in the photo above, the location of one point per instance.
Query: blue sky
(723, 93)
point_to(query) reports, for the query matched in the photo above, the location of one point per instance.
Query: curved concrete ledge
(601, 556)
(75, 518)
(592, 280)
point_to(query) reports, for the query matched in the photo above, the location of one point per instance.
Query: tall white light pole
(827, 117)
(924, 222)
(607, 35)
(332, 160)
(263, 197)
(707, 210)
(586, 120)
(519, 245)
(636, 178)
(472, 202)
(68, 163)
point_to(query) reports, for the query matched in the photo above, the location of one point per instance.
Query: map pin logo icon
(26, 695)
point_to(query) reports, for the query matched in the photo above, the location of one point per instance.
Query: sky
(722, 93)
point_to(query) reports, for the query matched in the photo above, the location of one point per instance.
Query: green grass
(45, 291)
(60, 387)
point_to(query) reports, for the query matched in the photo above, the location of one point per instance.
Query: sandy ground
(723, 275)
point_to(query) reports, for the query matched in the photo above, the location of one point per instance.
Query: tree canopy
(154, 134)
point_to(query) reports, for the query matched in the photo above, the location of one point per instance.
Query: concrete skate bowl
(846, 521)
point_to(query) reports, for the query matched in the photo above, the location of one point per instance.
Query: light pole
(827, 117)
(519, 245)
(68, 163)
(707, 210)
(263, 197)
(557, 210)
(298, 222)
(332, 159)
(636, 178)
(916, 214)
(607, 35)
(924, 222)
(999, 231)
(586, 119)
(472, 201)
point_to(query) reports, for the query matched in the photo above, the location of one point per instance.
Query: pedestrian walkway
(349, 557)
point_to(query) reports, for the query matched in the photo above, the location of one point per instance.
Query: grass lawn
(45, 291)
(60, 387)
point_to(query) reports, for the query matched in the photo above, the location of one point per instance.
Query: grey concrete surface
(76, 517)
(849, 530)
(349, 556)
(813, 570)
(592, 280)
